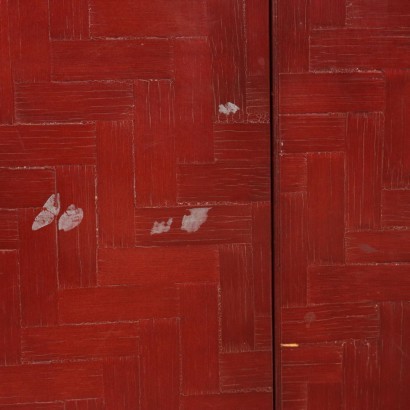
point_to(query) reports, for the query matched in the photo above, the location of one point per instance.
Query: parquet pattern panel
(343, 182)
(145, 280)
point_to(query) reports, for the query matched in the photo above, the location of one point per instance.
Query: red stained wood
(327, 92)
(6, 83)
(211, 182)
(294, 249)
(115, 187)
(155, 18)
(155, 164)
(48, 382)
(127, 303)
(9, 308)
(355, 283)
(228, 401)
(77, 248)
(227, 36)
(361, 359)
(9, 235)
(199, 332)
(237, 293)
(262, 257)
(159, 364)
(71, 102)
(29, 40)
(225, 224)
(325, 197)
(355, 49)
(47, 145)
(158, 265)
(293, 40)
(24, 188)
(121, 383)
(378, 13)
(263, 333)
(323, 396)
(86, 60)
(396, 169)
(364, 171)
(312, 364)
(86, 404)
(43, 344)
(377, 246)
(312, 133)
(293, 173)
(38, 271)
(331, 322)
(69, 19)
(331, 13)
(245, 370)
(193, 101)
(395, 208)
(244, 142)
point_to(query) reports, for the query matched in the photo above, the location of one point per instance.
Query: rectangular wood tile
(327, 92)
(69, 19)
(193, 107)
(10, 315)
(395, 208)
(325, 203)
(324, 396)
(155, 132)
(9, 231)
(357, 283)
(330, 322)
(157, 18)
(73, 102)
(47, 145)
(331, 13)
(25, 188)
(115, 186)
(293, 172)
(127, 303)
(6, 83)
(48, 382)
(38, 271)
(43, 344)
(158, 265)
(87, 60)
(224, 224)
(199, 335)
(77, 248)
(237, 293)
(312, 133)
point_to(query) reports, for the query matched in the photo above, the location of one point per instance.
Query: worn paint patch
(161, 227)
(192, 222)
(50, 210)
(228, 108)
(71, 218)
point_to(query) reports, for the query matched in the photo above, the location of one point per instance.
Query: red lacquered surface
(123, 109)
(343, 204)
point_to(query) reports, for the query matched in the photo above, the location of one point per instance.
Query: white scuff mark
(192, 222)
(228, 108)
(50, 210)
(71, 218)
(161, 227)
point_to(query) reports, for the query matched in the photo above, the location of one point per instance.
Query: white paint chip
(228, 108)
(192, 222)
(71, 218)
(51, 208)
(161, 227)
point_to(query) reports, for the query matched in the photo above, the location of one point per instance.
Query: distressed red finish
(343, 192)
(153, 118)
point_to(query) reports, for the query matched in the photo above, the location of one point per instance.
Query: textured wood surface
(343, 204)
(160, 299)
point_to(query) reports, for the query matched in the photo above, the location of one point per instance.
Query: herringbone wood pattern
(150, 116)
(344, 203)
